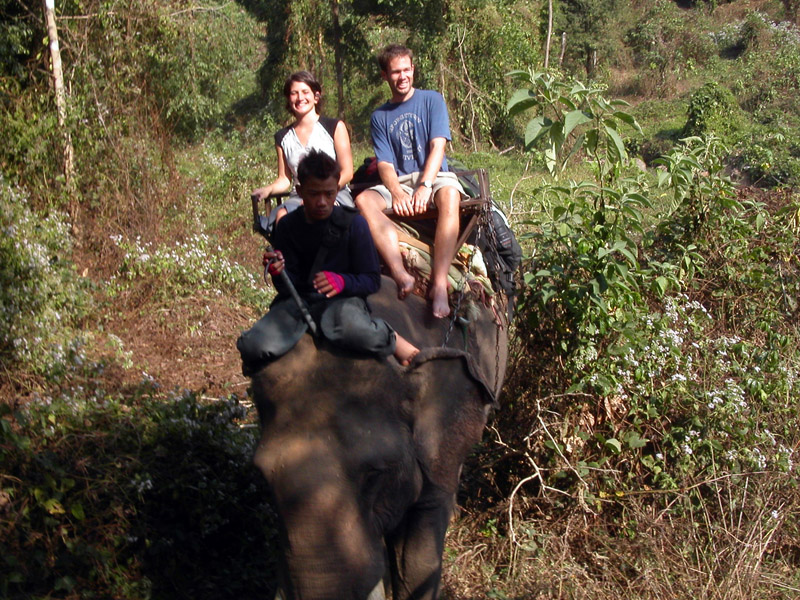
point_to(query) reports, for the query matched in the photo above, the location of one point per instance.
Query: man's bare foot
(440, 302)
(405, 285)
(404, 350)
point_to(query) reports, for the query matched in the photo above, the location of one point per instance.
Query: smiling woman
(309, 131)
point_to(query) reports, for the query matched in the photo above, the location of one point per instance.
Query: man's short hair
(391, 52)
(319, 165)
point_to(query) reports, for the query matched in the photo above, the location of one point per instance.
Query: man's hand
(402, 204)
(421, 200)
(274, 262)
(328, 283)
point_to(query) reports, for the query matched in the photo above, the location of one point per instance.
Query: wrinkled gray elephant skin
(363, 456)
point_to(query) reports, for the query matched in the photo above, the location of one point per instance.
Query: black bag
(501, 253)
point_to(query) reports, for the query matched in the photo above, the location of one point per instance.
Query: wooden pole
(338, 59)
(549, 34)
(58, 86)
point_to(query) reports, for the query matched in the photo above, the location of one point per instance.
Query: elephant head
(363, 456)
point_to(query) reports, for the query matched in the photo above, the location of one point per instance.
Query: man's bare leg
(384, 234)
(447, 200)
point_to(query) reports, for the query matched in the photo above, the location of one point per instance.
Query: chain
(483, 222)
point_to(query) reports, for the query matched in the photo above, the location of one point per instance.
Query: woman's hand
(261, 193)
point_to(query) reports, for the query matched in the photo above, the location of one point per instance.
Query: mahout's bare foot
(405, 285)
(440, 302)
(404, 351)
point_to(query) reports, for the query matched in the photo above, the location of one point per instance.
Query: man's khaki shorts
(411, 181)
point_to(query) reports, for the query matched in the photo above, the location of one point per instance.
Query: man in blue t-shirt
(409, 135)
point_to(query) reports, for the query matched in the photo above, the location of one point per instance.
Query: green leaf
(660, 285)
(575, 147)
(591, 140)
(77, 511)
(573, 119)
(627, 118)
(520, 101)
(613, 445)
(53, 506)
(627, 253)
(537, 127)
(619, 145)
(65, 583)
(519, 75)
(634, 440)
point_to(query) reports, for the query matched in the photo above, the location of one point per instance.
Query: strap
(280, 134)
(336, 232)
(329, 123)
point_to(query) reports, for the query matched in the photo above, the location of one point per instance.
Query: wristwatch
(427, 184)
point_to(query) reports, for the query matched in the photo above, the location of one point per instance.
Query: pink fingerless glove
(336, 280)
(272, 266)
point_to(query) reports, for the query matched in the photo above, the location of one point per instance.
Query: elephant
(363, 456)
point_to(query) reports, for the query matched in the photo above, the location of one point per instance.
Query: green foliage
(16, 40)
(583, 279)
(133, 497)
(31, 122)
(183, 269)
(633, 312)
(585, 23)
(485, 40)
(693, 170)
(769, 155)
(713, 111)
(199, 63)
(571, 118)
(666, 45)
(41, 296)
(769, 75)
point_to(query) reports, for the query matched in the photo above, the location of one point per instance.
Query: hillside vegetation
(648, 431)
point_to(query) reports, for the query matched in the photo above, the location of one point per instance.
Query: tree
(549, 34)
(58, 87)
(584, 21)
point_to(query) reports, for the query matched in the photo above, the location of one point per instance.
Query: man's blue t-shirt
(401, 133)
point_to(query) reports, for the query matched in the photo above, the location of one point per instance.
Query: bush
(647, 384)
(42, 298)
(666, 46)
(185, 268)
(136, 495)
(713, 111)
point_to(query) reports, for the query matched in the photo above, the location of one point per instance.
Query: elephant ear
(450, 406)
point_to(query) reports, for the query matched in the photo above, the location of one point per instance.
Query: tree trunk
(549, 33)
(563, 48)
(58, 86)
(338, 59)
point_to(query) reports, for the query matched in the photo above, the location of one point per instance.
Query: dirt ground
(181, 343)
(190, 345)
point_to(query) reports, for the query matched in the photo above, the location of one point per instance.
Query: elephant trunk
(331, 551)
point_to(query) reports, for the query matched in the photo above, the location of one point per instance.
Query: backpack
(501, 253)
(499, 246)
